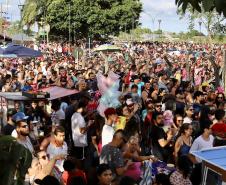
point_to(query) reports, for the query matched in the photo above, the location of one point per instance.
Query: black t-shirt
(8, 129)
(158, 133)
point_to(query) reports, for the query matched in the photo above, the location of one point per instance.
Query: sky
(152, 10)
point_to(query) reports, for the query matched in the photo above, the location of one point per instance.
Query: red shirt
(67, 176)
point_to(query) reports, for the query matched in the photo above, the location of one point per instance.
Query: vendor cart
(10, 99)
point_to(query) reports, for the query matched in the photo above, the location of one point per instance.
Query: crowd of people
(150, 103)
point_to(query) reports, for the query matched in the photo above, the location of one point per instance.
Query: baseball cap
(19, 116)
(48, 180)
(129, 102)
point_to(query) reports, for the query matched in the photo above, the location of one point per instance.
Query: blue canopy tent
(14, 51)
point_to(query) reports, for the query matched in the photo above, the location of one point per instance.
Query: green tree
(209, 19)
(93, 18)
(203, 5)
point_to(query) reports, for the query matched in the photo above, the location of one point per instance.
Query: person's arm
(177, 147)
(94, 141)
(163, 142)
(49, 167)
(121, 170)
(44, 144)
(194, 147)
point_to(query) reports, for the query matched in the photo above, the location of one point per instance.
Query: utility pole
(200, 26)
(69, 34)
(20, 6)
(159, 23)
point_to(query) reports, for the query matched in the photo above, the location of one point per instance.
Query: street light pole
(20, 6)
(69, 28)
(159, 23)
(200, 26)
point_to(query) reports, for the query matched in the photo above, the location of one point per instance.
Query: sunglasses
(179, 120)
(191, 109)
(220, 97)
(158, 105)
(44, 157)
(24, 126)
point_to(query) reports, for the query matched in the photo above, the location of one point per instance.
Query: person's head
(43, 158)
(104, 174)
(157, 117)
(59, 134)
(47, 180)
(10, 113)
(189, 110)
(186, 129)
(133, 143)
(198, 96)
(158, 106)
(69, 165)
(219, 114)
(130, 104)
(149, 104)
(80, 106)
(56, 105)
(125, 111)
(127, 181)
(134, 89)
(111, 114)
(178, 120)
(34, 104)
(220, 97)
(184, 165)
(92, 76)
(22, 127)
(206, 128)
(119, 138)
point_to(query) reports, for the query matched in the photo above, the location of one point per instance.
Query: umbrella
(107, 47)
(12, 50)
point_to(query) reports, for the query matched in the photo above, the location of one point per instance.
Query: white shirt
(52, 150)
(27, 144)
(57, 116)
(78, 122)
(187, 120)
(200, 144)
(107, 134)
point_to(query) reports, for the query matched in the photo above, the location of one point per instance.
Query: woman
(42, 166)
(181, 175)
(219, 99)
(184, 141)
(104, 174)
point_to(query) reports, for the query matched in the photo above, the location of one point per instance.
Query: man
(108, 131)
(146, 91)
(162, 81)
(92, 82)
(8, 129)
(22, 131)
(160, 140)
(157, 106)
(135, 96)
(204, 141)
(79, 128)
(198, 101)
(112, 155)
(58, 146)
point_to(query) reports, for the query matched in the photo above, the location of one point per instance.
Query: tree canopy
(208, 5)
(93, 18)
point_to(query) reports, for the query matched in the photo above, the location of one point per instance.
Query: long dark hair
(184, 127)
